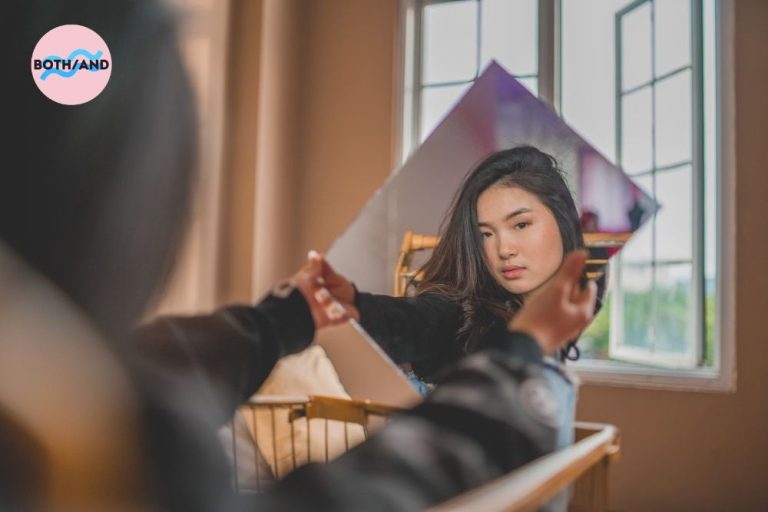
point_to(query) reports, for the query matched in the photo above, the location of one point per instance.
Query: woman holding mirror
(509, 228)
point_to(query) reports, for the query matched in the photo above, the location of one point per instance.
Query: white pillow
(307, 373)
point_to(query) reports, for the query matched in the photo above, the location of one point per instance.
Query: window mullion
(617, 305)
(478, 38)
(418, 75)
(547, 52)
(654, 272)
(698, 199)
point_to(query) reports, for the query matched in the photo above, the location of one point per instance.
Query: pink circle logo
(71, 64)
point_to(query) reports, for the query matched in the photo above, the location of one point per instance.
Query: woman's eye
(485, 234)
(522, 225)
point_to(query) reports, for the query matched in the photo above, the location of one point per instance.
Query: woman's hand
(561, 309)
(329, 295)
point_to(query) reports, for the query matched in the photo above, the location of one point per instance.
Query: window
(455, 41)
(658, 314)
(639, 80)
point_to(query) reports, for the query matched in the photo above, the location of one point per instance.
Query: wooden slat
(606, 239)
(327, 407)
(539, 481)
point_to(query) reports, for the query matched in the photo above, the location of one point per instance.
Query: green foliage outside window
(673, 307)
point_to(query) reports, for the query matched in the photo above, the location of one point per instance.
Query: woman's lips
(512, 272)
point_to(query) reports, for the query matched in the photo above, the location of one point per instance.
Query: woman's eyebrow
(512, 215)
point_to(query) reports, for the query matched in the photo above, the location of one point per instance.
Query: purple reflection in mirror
(497, 112)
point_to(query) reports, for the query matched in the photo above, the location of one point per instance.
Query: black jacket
(474, 427)
(423, 330)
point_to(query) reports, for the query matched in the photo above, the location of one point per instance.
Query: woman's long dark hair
(458, 270)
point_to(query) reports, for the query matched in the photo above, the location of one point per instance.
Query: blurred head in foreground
(98, 200)
(93, 200)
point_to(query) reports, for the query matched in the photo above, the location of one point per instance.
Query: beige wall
(682, 450)
(240, 131)
(324, 147)
(347, 116)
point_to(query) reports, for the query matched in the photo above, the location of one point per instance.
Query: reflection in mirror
(497, 112)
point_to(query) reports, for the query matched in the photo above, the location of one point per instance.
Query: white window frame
(408, 67)
(721, 376)
(693, 356)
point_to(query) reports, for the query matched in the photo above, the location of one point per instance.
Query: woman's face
(521, 239)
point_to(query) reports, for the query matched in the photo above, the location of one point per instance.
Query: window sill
(617, 374)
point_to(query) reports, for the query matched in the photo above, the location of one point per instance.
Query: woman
(511, 223)
(506, 234)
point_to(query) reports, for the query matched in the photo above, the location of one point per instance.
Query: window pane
(672, 309)
(673, 119)
(674, 222)
(435, 104)
(673, 34)
(532, 84)
(639, 248)
(588, 81)
(636, 131)
(510, 35)
(657, 304)
(636, 47)
(653, 276)
(450, 42)
(594, 342)
(637, 285)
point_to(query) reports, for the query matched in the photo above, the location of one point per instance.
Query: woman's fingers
(581, 298)
(569, 274)
(583, 304)
(337, 284)
(573, 265)
(329, 295)
(335, 311)
(587, 296)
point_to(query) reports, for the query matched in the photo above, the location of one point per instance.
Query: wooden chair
(404, 274)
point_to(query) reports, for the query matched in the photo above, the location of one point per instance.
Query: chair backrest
(272, 435)
(404, 274)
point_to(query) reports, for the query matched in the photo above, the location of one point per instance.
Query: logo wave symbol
(72, 56)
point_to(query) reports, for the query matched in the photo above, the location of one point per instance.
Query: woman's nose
(507, 248)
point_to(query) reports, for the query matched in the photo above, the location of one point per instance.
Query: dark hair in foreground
(458, 270)
(97, 193)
